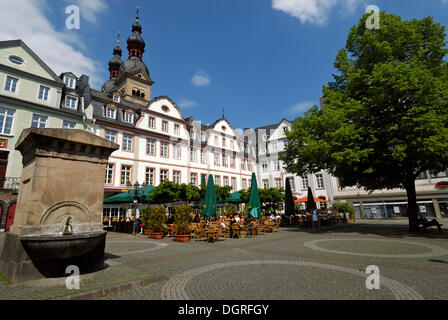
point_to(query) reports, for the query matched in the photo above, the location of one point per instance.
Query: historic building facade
(156, 142)
(271, 142)
(31, 95)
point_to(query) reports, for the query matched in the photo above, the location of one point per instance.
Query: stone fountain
(58, 219)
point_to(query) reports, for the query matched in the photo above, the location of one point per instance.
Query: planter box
(156, 235)
(147, 232)
(182, 238)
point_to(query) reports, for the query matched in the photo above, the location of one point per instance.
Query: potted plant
(182, 219)
(154, 220)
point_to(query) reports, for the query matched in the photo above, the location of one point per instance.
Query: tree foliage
(385, 116)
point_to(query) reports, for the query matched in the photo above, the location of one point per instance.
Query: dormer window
(110, 113)
(129, 117)
(116, 98)
(71, 102)
(70, 82)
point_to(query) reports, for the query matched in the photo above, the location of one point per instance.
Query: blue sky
(260, 60)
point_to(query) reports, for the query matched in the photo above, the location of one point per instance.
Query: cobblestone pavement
(291, 264)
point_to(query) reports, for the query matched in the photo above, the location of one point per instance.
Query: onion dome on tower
(114, 68)
(136, 48)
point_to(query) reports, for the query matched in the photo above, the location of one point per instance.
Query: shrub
(154, 218)
(182, 218)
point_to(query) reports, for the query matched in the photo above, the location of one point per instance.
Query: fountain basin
(44, 247)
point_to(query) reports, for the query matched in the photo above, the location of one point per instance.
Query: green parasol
(210, 203)
(254, 202)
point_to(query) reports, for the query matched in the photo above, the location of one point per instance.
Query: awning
(128, 197)
(305, 199)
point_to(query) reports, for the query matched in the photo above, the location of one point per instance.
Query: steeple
(115, 63)
(136, 44)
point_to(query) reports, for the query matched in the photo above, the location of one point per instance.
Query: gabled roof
(20, 43)
(170, 100)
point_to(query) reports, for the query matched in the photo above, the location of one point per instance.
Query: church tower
(132, 77)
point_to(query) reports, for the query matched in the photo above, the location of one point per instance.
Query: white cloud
(26, 20)
(201, 79)
(300, 108)
(89, 9)
(187, 103)
(314, 11)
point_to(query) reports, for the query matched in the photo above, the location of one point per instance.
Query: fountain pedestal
(62, 179)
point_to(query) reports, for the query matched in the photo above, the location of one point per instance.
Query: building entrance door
(10, 218)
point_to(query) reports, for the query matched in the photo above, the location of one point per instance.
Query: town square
(194, 151)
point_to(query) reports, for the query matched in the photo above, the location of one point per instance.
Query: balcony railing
(9, 183)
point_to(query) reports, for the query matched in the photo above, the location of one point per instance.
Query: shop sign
(442, 185)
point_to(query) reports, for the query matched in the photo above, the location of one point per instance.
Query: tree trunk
(412, 205)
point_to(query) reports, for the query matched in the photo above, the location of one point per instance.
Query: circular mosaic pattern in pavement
(395, 247)
(142, 246)
(275, 279)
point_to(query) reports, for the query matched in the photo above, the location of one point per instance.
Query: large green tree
(385, 117)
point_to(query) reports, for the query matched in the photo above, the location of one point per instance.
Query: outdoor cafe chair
(236, 231)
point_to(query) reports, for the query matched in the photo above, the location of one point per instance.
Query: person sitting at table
(278, 217)
(272, 217)
(237, 218)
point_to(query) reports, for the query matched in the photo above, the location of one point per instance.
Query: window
(176, 129)
(16, 60)
(176, 177)
(6, 120)
(70, 102)
(163, 175)
(224, 143)
(110, 113)
(292, 183)
(217, 180)
(43, 93)
(69, 82)
(285, 129)
(193, 153)
(194, 179)
(278, 183)
(116, 98)
(442, 174)
(232, 162)
(127, 142)
(110, 174)
(39, 121)
(277, 165)
(125, 175)
(274, 146)
(203, 156)
(128, 117)
(165, 126)
(224, 160)
(111, 135)
(151, 147)
(232, 144)
(203, 137)
(68, 125)
(226, 181)
(243, 164)
(152, 122)
(320, 181)
(164, 149)
(233, 184)
(149, 177)
(244, 183)
(264, 167)
(305, 183)
(11, 84)
(176, 151)
(216, 159)
(266, 184)
(216, 141)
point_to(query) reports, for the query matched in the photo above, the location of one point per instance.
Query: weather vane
(138, 11)
(118, 37)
